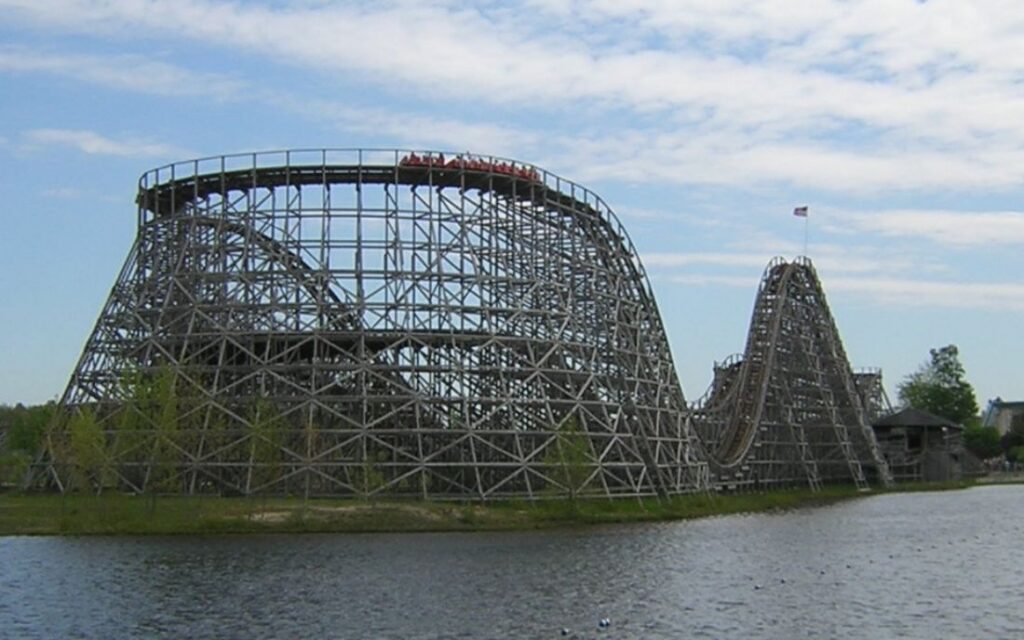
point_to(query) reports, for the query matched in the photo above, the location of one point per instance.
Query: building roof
(997, 407)
(912, 417)
(1008, 404)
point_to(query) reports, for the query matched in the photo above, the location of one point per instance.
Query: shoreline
(117, 514)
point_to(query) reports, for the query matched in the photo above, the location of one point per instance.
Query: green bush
(570, 458)
(983, 442)
(13, 467)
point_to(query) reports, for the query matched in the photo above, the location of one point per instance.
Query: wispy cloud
(124, 72)
(410, 129)
(756, 248)
(725, 156)
(713, 280)
(645, 213)
(93, 143)
(950, 228)
(64, 193)
(892, 292)
(75, 193)
(142, 75)
(844, 96)
(923, 293)
(655, 260)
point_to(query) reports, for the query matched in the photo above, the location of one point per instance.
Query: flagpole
(802, 212)
(806, 221)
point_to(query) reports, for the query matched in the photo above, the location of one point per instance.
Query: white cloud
(142, 75)
(411, 129)
(644, 213)
(951, 228)
(849, 96)
(64, 193)
(832, 261)
(93, 143)
(656, 260)
(124, 72)
(757, 248)
(923, 293)
(894, 292)
(713, 280)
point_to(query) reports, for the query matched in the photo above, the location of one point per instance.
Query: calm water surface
(933, 565)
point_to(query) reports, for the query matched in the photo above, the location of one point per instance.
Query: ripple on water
(911, 565)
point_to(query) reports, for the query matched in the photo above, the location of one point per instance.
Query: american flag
(800, 211)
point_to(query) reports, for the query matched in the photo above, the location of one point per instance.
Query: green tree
(132, 428)
(164, 455)
(267, 440)
(1012, 440)
(26, 426)
(939, 387)
(13, 467)
(983, 441)
(368, 478)
(25, 429)
(571, 457)
(88, 450)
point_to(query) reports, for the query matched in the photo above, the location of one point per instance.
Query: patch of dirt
(328, 513)
(270, 517)
(361, 509)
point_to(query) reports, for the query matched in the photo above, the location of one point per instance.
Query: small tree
(939, 387)
(267, 439)
(369, 478)
(164, 456)
(13, 467)
(571, 457)
(58, 449)
(216, 439)
(88, 449)
(130, 444)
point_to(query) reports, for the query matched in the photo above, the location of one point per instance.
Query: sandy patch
(328, 513)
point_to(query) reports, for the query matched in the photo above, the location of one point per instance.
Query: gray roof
(1011, 404)
(912, 417)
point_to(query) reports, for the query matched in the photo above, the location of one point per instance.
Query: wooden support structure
(364, 323)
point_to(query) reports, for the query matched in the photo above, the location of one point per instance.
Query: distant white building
(1003, 415)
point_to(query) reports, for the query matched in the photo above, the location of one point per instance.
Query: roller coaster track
(792, 392)
(438, 325)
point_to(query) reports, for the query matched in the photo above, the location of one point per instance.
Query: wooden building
(920, 446)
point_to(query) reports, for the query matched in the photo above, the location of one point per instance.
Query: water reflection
(909, 565)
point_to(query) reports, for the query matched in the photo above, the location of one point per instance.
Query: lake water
(922, 565)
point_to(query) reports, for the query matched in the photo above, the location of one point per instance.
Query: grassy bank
(125, 514)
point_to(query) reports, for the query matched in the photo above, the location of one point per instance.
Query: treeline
(152, 440)
(160, 439)
(22, 429)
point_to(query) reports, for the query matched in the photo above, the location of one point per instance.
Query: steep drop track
(788, 407)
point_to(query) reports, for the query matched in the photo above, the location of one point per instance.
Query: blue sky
(701, 123)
